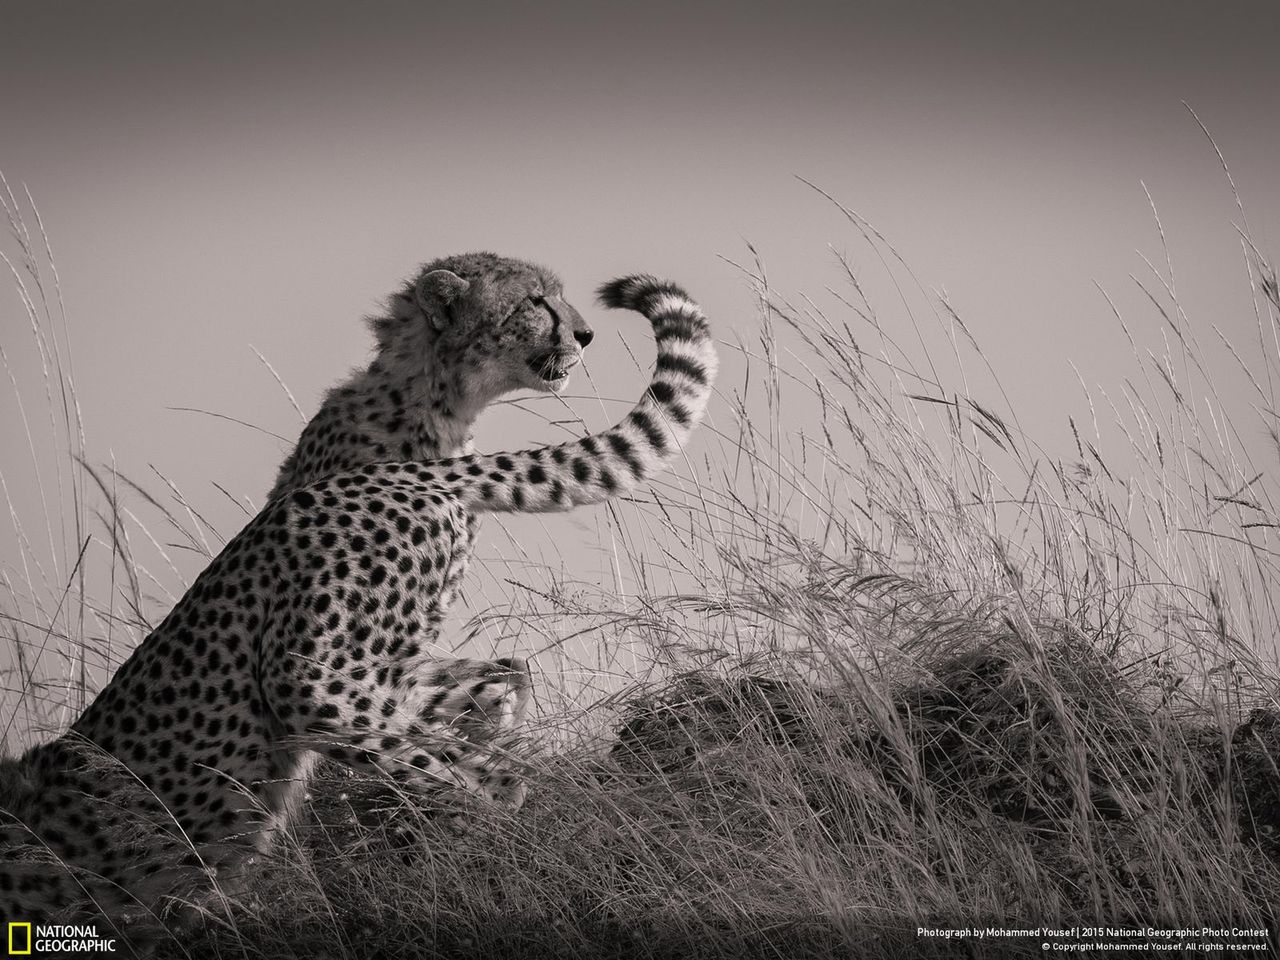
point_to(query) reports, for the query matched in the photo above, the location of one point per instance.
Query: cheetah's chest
(463, 549)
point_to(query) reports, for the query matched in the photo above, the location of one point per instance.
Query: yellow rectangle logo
(14, 950)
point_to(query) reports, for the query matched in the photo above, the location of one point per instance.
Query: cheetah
(308, 635)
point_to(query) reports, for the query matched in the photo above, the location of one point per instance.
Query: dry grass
(885, 663)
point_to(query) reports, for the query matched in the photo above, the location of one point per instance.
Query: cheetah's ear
(437, 291)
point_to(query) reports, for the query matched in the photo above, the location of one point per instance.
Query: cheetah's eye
(522, 305)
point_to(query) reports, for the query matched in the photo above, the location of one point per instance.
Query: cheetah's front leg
(451, 725)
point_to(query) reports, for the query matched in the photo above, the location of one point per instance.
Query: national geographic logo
(26, 940)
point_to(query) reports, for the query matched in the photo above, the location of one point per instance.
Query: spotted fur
(311, 633)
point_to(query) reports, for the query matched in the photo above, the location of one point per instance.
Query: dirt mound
(1036, 737)
(1046, 738)
(1256, 782)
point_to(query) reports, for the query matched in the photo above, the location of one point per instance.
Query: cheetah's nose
(583, 337)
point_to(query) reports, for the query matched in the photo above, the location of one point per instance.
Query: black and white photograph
(669, 481)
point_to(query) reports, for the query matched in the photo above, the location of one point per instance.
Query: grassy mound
(742, 815)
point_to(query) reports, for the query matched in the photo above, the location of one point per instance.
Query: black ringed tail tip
(631, 293)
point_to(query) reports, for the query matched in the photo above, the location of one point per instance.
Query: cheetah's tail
(621, 458)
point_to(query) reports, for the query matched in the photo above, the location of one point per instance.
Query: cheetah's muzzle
(553, 366)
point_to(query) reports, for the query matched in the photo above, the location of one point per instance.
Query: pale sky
(216, 177)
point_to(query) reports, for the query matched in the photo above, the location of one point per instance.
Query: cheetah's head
(495, 324)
